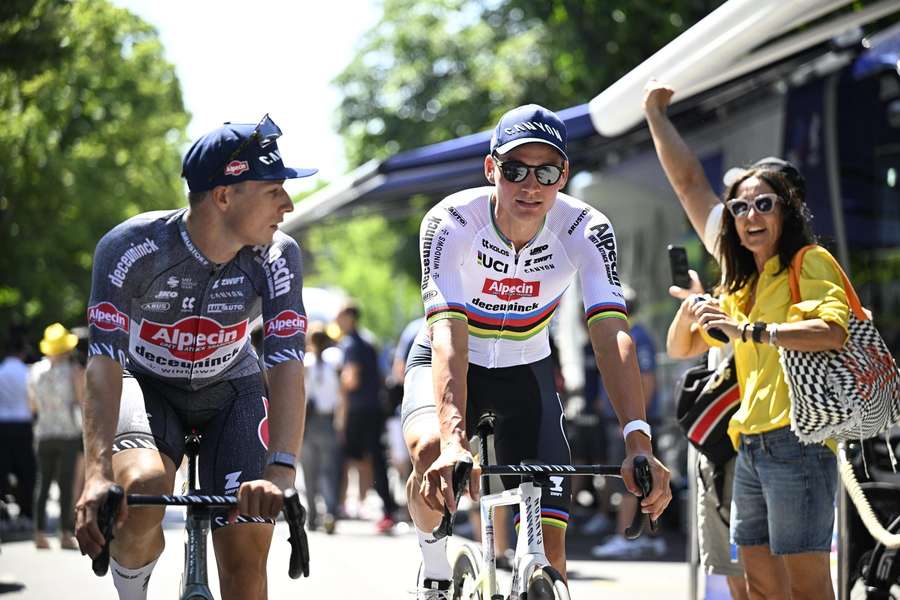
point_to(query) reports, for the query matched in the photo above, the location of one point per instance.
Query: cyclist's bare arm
(287, 410)
(683, 170)
(101, 416)
(616, 358)
(449, 365)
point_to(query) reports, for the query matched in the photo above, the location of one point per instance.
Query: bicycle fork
(530, 545)
(195, 576)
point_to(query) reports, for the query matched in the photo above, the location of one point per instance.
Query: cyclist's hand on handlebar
(261, 497)
(437, 486)
(90, 539)
(660, 495)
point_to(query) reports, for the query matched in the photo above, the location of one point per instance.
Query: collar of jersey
(192, 248)
(501, 235)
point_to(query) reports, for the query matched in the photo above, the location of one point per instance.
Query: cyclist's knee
(424, 449)
(241, 554)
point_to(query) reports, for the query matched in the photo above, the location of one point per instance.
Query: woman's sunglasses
(764, 203)
(516, 172)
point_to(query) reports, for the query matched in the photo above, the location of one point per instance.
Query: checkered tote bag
(847, 394)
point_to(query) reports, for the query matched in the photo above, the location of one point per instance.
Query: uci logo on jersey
(489, 262)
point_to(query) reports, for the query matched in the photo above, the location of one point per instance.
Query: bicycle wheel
(466, 569)
(547, 584)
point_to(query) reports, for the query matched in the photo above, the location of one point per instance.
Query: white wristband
(636, 425)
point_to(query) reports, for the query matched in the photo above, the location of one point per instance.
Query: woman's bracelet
(744, 331)
(772, 330)
(758, 329)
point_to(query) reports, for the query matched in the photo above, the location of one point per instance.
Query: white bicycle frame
(530, 541)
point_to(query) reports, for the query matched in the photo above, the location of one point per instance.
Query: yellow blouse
(765, 404)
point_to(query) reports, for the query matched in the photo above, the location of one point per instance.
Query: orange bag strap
(794, 281)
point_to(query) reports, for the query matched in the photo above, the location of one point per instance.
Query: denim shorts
(784, 493)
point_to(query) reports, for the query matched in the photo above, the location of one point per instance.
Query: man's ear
(489, 168)
(220, 197)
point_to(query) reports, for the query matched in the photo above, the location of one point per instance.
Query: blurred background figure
(56, 392)
(398, 453)
(360, 418)
(645, 347)
(319, 458)
(17, 463)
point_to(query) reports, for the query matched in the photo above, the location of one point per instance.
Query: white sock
(131, 583)
(434, 556)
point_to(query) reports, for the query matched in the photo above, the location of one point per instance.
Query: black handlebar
(293, 511)
(295, 515)
(644, 480)
(642, 475)
(461, 472)
(106, 519)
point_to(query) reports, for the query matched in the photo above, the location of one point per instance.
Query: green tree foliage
(432, 71)
(360, 256)
(91, 126)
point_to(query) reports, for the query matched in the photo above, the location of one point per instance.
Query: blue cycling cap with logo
(527, 124)
(204, 166)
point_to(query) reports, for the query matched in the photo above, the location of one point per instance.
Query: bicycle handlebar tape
(295, 515)
(106, 521)
(461, 472)
(644, 479)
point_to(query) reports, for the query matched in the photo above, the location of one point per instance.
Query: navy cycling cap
(769, 163)
(204, 166)
(527, 124)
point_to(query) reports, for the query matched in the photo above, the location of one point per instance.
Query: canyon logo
(511, 288)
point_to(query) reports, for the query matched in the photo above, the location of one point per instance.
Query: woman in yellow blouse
(782, 514)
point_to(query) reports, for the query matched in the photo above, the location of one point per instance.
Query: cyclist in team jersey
(174, 298)
(495, 261)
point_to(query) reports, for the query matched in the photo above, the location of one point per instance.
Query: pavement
(356, 561)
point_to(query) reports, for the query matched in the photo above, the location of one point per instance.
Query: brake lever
(644, 479)
(460, 480)
(106, 521)
(295, 515)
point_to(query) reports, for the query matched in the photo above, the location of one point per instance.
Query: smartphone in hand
(678, 263)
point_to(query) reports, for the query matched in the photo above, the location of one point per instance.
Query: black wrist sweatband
(758, 329)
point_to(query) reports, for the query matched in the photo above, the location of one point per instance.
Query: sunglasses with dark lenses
(265, 133)
(516, 172)
(764, 203)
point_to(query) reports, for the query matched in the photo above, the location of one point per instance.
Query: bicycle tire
(546, 584)
(466, 571)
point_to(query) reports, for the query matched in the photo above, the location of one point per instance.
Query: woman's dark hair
(319, 340)
(737, 261)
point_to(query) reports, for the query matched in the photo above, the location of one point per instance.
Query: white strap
(636, 425)
(858, 496)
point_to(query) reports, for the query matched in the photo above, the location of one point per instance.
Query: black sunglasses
(265, 133)
(764, 203)
(516, 172)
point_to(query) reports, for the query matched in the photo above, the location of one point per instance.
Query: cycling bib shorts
(231, 417)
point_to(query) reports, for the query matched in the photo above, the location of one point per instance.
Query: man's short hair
(351, 309)
(195, 198)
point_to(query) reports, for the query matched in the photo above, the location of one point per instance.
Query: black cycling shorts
(231, 417)
(530, 423)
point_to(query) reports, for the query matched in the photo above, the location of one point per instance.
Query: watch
(282, 459)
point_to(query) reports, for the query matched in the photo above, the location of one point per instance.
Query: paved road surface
(355, 563)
